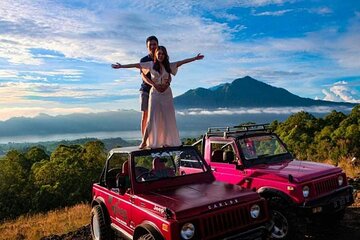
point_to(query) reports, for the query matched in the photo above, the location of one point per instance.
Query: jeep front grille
(326, 185)
(220, 223)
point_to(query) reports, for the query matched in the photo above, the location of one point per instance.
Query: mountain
(246, 92)
(121, 120)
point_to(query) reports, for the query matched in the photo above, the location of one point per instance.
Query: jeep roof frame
(235, 131)
(135, 150)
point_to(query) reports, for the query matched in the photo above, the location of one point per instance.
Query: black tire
(147, 236)
(286, 224)
(99, 228)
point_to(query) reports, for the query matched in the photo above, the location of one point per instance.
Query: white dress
(161, 129)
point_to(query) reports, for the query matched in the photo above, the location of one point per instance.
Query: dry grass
(40, 225)
(351, 170)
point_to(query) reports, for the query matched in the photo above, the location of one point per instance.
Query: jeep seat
(217, 156)
(125, 168)
(228, 156)
(124, 173)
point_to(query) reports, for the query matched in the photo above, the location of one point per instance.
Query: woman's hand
(116, 65)
(161, 87)
(199, 57)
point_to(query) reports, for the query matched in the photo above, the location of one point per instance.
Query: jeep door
(224, 169)
(120, 198)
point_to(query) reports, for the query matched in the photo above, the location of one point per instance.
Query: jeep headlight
(340, 180)
(187, 231)
(306, 191)
(255, 211)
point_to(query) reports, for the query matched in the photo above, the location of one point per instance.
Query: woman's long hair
(166, 62)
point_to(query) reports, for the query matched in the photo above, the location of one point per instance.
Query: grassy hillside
(40, 225)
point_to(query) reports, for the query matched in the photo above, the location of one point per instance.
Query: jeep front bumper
(331, 203)
(261, 232)
(256, 233)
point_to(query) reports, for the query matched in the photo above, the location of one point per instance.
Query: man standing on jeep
(151, 44)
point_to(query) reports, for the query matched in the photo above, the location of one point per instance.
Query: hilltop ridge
(246, 92)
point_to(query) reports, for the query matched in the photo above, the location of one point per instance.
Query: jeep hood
(301, 171)
(191, 200)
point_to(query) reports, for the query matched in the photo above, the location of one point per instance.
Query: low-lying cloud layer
(272, 110)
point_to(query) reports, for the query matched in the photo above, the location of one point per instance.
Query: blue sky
(55, 55)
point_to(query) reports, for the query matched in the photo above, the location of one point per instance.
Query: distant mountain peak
(245, 92)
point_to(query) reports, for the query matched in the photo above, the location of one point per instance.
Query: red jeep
(171, 193)
(255, 158)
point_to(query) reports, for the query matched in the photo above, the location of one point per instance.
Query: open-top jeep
(255, 158)
(171, 193)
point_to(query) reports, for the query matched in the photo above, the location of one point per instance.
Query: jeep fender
(267, 192)
(147, 227)
(100, 202)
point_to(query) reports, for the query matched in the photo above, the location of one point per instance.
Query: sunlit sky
(55, 55)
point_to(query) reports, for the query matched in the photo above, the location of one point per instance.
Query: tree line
(34, 180)
(333, 137)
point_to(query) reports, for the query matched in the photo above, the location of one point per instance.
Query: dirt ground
(349, 227)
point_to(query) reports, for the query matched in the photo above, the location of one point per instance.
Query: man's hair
(151, 38)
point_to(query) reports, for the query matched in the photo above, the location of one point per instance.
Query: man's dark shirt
(144, 86)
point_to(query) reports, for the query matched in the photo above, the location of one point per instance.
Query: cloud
(341, 91)
(31, 98)
(274, 13)
(227, 16)
(266, 2)
(28, 93)
(53, 27)
(182, 7)
(245, 3)
(91, 35)
(43, 75)
(8, 74)
(70, 42)
(271, 110)
(321, 10)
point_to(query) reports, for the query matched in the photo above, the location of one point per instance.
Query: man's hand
(116, 65)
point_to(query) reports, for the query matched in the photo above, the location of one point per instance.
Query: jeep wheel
(286, 223)
(99, 229)
(281, 225)
(147, 236)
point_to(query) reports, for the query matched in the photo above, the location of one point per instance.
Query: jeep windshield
(262, 150)
(160, 164)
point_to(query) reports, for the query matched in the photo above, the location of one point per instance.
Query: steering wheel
(147, 174)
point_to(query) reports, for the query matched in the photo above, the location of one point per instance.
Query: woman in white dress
(161, 129)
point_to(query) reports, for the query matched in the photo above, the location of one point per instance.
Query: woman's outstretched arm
(118, 65)
(188, 60)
